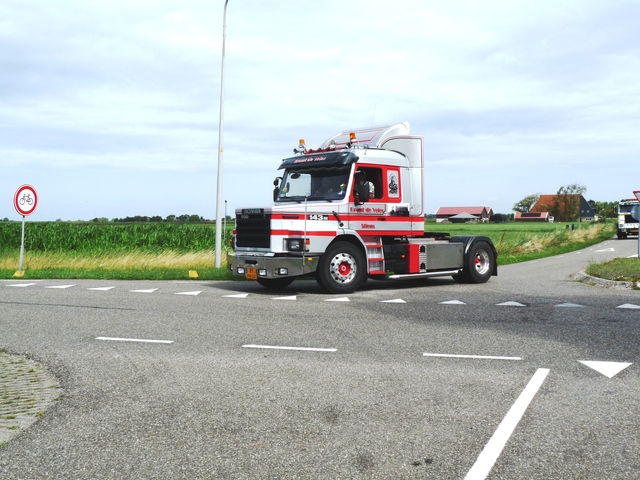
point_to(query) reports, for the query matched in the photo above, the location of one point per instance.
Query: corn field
(108, 237)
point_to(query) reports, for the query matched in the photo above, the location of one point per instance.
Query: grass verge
(618, 269)
(514, 243)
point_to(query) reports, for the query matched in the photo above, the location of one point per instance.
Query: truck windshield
(314, 184)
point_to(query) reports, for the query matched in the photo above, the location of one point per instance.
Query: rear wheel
(342, 268)
(480, 262)
(275, 283)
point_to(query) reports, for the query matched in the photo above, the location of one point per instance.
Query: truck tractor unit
(351, 210)
(627, 225)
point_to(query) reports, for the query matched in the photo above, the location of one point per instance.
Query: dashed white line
(143, 340)
(61, 286)
(497, 442)
(304, 349)
(479, 357)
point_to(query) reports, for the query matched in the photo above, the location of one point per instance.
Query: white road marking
(341, 299)
(101, 289)
(510, 304)
(114, 339)
(60, 286)
(238, 295)
(21, 285)
(452, 302)
(628, 305)
(605, 250)
(608, 369)
(570, 305)
(198, 292)
(498, 440)
(149, 290)
(395, 300)
(480, 357)
(305, 349)
(292, 297)
(633, 256)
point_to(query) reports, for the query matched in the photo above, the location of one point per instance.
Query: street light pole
(220, 145)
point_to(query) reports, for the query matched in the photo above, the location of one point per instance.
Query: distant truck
(627, 225)
(351, 210)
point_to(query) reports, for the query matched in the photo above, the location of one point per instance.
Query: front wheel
(342, 268)
(275, 283)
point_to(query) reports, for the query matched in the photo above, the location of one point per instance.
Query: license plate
(252, 274)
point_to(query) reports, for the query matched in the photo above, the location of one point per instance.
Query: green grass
(618, 269)
(169, 251)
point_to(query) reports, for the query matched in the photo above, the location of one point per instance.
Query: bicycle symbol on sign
(26, 198)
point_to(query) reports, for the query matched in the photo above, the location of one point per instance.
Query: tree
(526, 203)
(566, 207)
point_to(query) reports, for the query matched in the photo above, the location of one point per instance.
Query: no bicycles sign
(25, 200)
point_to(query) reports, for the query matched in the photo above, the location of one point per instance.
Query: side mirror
(276, 190)
(361, 193)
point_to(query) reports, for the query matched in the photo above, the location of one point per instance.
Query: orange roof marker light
(302, 148)
(352, 138)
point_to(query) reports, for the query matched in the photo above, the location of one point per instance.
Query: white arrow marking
(608, 369)
(292, 297)
(498, 440)
(198, 292)
(341, 299)
(628, 305)
(511, 304)
(237, 295)
(395, 300)
(21, 285)
(570, 305)
(605, 250)
(60, 286)
(304, 349)
(102, 289)
(150, 290)
(452, 302)
(113, 339)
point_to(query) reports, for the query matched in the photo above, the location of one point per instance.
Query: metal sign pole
(22, 245)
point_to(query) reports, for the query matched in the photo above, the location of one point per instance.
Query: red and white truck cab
(349, 210)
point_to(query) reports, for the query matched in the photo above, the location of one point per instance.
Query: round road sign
(25, 200)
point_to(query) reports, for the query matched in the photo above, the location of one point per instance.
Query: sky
(111, 108)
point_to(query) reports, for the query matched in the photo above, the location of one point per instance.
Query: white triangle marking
(189, 293)
(628, 305)
(511, 304)
(102, 289)
(452, 302)
(395, 300)
(605, 250)
(60, 286)
(571, 305)
(21, 285)
(341, 299)
(237, 295)
(608, 369)
(292, 297)
(150, 290)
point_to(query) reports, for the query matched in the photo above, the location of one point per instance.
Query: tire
(275, 283)
(342, 268)
(480, 261)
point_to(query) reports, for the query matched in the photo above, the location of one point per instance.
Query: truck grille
(253, 230)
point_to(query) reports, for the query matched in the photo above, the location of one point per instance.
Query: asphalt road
(428, 379)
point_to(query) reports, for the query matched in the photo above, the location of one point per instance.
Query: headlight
(293, 244)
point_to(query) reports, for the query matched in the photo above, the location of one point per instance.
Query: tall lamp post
(220, 145)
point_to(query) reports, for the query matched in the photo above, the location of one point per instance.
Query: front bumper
(268, 265)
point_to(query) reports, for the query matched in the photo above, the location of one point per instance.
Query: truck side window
(374, 177)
